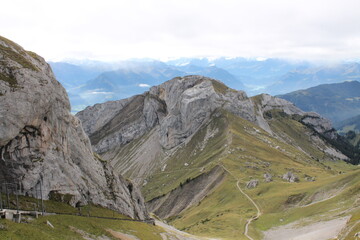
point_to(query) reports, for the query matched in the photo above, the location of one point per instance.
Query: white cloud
(260, 59)
(144, 85)
(113, 29)
(95, 92)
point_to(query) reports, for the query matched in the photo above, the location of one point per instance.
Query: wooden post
(1, 206)
(17, 201)
(42, 201)
(7, 194)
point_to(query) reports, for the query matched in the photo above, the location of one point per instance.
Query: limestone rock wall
(40, 139)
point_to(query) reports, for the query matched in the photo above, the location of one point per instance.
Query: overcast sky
(162, 29)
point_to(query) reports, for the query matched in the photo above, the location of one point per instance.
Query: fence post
(7, 194)
(42, 201)
(1, 203)
(20, 190)
(88, 198)
(17, 199)
(37, 197)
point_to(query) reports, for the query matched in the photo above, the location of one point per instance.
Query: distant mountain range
(308, 77)
(129, 78)
(90, 82)
(336, 102)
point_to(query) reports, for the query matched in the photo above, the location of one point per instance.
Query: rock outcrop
(290, 177)
(267, 177)
(252, 183)
(41, 141)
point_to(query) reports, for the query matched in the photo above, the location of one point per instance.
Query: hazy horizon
(116, 30)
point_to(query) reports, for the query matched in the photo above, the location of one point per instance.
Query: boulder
(252, 183)
(268, 177)
(290, 177)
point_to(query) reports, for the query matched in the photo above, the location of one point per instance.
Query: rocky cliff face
(40, 139)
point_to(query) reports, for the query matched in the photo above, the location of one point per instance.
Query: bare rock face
(40, 139)
(319, 124)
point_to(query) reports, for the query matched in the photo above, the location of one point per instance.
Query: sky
(111, 30)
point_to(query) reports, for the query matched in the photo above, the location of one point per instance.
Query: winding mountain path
(258, 214)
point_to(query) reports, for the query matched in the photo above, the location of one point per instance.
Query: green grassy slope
(350, 124)
(248, 152)
(350, 129)
(72, 226)
(336, 101)
(75, 227)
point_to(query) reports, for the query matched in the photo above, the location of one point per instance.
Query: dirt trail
(258, 214)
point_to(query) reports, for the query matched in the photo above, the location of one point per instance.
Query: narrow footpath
(258, 214)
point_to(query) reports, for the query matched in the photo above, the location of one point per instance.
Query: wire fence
(14, 196)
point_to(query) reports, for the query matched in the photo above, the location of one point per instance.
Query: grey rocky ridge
(41, 140)
(178, 108)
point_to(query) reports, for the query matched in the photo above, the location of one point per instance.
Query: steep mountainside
(350, 124)
(194, 144)
(350, 128)
(40, 141)
(336, 102)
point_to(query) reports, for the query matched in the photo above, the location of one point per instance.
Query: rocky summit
(40, 141)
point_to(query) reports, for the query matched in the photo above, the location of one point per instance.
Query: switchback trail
(258, 214)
